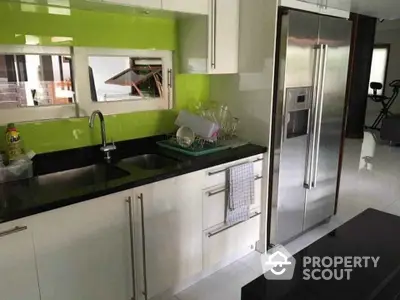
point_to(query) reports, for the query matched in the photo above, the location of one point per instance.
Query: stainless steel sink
(150, 161)
(85, 176)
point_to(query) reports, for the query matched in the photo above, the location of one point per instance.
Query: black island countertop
(23, 198)
(370, 234)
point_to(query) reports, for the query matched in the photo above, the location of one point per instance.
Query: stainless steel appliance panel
(334, 36)
(297, 57)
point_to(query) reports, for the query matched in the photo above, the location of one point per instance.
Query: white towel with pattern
(241, 193)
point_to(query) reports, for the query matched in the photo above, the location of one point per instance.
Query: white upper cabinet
(186, 6)
(300, 5)
(83, 250)
(315, 7)
(224, 33)
(168, 214)
(143, 3)
(210, 44)
(149, 3)
(329, 11)
(17, 262)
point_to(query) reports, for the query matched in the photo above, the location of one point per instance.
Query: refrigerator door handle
(319, 110)
(313, 117)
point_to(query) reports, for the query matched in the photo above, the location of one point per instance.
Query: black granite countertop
(370, 234)
(27, 197)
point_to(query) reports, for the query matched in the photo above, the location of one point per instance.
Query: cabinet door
(17, 262)
(185, 6)
(214, 204)
(335, 12)
(83, 250)
(223, 36)
(313, 6)
(172, 228)
(143, 3)
(225, 245)
(148, 3)
(306, 6)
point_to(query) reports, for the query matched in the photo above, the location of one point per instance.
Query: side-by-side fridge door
(334, 47)
(292, 118)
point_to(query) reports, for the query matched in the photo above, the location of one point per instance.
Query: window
(117, 81)
(125, 78)
(33, 77)
(38, 82)
(35, 80)
(380, 58)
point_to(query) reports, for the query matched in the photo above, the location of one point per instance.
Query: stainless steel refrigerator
(308, 117)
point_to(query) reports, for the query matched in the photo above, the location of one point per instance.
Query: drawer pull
(224, 170)
(210, 194)
(211, 234)
(13, 230)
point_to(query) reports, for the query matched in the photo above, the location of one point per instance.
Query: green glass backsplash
(26, 24)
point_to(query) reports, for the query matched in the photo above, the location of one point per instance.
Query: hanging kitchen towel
(241, 193)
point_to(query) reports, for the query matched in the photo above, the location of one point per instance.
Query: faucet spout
(102, 124)
(105, 148)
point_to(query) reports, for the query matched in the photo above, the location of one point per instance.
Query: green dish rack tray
(196, 149)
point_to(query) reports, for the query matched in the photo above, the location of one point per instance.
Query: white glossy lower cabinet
(18, 277)
(83, 250)
(172, 232)
(228, 245)
(214, 204)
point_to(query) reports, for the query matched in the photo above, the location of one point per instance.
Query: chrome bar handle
(210, 194)
(131, 232)
(211, 234)
(213, 33)
(169, 83)
(320, 109)
(16, 229)
(224, 170)
(140, 197)
(314, 112)
(169, 78)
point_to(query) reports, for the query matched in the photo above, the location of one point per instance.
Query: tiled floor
(378, 187)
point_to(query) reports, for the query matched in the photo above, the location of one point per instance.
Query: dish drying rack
(201, 146)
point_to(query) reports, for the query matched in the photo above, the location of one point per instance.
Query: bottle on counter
(14, 148)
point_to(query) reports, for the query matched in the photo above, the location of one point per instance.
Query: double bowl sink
(100, 173)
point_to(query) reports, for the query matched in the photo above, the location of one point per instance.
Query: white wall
(249, 93)
(387, 32)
